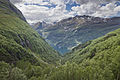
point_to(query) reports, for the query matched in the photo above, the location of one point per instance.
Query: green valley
(25, 55)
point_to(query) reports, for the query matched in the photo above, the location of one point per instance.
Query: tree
(17, 74)
(4, 71)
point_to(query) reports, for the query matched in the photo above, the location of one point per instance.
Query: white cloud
(93, 9)
(86, 9)
(36, 13)
(95, 1)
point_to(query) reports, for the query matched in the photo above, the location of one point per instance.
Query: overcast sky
(55, 10)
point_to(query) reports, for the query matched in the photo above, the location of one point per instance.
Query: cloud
(92, 9)
(16, 1)
(86, 9)
(109, 10)
(36, 10)
(55, 10)
(95, 1)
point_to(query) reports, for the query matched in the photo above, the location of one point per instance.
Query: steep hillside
(24, 54)
(68, 33)
(98, 59)
(18, 41)
(98, 49)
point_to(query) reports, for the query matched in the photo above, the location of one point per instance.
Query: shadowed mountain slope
(18, 41)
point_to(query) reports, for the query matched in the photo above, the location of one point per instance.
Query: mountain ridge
(70, 32)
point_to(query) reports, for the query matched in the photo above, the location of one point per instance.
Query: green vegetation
(24, 55)
(101, 55)
(18, 41)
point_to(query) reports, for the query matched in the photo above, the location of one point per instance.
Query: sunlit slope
(106, 47)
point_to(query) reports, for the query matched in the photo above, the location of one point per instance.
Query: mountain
(101, 54)
(97, 59)
(8, 8)
(68, 33)
(18, 41)
(24, 54)
(40, 25)
(98, 49)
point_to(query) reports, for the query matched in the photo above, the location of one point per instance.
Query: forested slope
(23, 52)
(99, 58)
(24, 55)
(18, 40)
